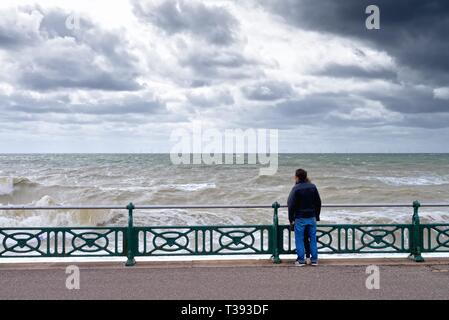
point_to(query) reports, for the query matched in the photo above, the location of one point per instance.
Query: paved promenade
(333, 279)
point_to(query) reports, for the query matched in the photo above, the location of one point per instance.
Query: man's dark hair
(301, 174)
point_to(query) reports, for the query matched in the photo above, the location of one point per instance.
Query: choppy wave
(9, 184)
(39, 218)
(152, 179)
(414, 181)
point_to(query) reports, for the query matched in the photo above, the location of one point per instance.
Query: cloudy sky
(120, 76)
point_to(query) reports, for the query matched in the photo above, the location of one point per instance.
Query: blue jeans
(300, 226)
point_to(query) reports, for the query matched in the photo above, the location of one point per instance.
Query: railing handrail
(217, 206)
(275, 233)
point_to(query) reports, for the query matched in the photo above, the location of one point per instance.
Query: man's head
(301, 176)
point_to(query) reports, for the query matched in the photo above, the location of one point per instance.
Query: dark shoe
(300, 264)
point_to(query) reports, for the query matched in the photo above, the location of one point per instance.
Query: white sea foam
(414, 181)
(42, 218)
(6, 185)
(190, 186)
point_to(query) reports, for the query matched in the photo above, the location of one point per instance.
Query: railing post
(416, 237)
(275, 239)
(130, 237)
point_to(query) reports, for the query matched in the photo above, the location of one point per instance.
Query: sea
(152, 179)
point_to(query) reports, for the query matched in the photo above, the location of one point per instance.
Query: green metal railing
(273, 239)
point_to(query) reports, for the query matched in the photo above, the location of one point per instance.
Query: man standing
(304, 207)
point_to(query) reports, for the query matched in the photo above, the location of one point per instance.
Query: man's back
(304, 202)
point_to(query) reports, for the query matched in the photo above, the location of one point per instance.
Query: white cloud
(441, 93)
(370, 112)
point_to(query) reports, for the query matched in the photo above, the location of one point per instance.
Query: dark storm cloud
(267, 90)
(126, 107)
(14, 35)
(353, 71)
(212, 23)
(409, 99)
(426, 121)
(296, 112)
(52, 56)
(329, 110)
(208, 60)
(214, 65)
(197, 83)
(10, 38)
(409, 107)
(312, 105)
(74, 69)
(141, 107)
(53, 24)
(213, 99)
(412, 31)
(61, 104)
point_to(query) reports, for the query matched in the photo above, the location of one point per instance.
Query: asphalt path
(252, 281)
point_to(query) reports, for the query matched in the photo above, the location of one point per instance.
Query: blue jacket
(304, 202)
